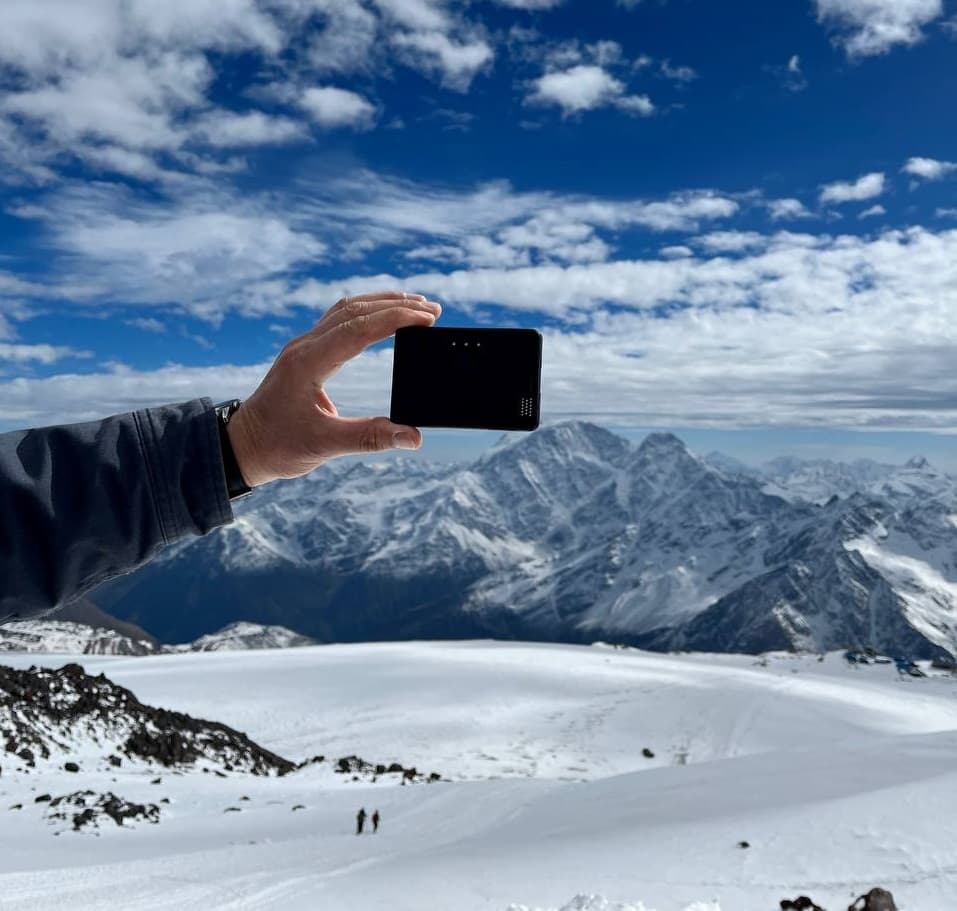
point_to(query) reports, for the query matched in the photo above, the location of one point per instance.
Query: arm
(82, 503)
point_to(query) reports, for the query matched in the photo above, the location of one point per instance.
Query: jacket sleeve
(82, 503)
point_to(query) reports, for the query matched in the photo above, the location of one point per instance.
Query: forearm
(82, 503)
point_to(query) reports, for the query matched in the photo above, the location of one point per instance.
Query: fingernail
(404, 439)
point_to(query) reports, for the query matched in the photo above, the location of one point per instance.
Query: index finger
(349, 338)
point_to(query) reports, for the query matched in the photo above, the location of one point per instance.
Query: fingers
(357, 435)
(347, 303)
(347, 339)
(355, 307)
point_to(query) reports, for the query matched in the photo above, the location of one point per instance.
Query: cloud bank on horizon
(715, 218)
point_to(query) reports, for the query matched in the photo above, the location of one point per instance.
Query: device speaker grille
(525, 407)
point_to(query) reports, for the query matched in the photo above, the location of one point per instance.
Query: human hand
(289, 425)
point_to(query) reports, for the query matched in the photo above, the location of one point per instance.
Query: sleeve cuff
(185, 467)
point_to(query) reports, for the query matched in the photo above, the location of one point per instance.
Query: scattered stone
(232, 810)
(875, 900)
(116, 761)
(17, 806)
(157, 781)
(298, 806)
(164, 800)
(221, 774)
(648, 754)
(801, 903)
(744, 844)
(71, 767)
(244, 797)
(43, 798)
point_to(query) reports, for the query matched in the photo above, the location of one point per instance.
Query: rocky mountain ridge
(574, 534)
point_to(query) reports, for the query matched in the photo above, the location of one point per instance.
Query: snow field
(839, 779)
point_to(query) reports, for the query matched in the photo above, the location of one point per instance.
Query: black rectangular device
(488, 379)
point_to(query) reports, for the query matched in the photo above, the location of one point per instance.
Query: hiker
(360, 820)
(81, 503)
(375, 822)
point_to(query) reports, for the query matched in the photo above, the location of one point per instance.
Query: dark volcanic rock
(88, 808)
(44, 712)
(361, 770)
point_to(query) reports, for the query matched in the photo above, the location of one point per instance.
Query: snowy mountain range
(574, 534)
(103, 635)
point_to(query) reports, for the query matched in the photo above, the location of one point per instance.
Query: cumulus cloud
(868, 27)
(866, 187)
(334, 107)
(873, 212)
(929, 168)
(789, 208)
(584, 87)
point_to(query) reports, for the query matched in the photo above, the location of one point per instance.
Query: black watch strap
(236, 486)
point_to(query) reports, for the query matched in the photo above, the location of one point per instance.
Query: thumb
(377, 434)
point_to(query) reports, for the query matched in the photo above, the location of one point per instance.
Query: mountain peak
(566, 437)
(917, 463)
(663, 444)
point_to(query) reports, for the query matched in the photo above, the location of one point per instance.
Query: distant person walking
(360, 820)
(375, 822)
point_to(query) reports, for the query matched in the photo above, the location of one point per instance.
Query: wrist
(242, 440)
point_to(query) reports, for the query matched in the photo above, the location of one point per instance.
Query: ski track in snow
(839, 778)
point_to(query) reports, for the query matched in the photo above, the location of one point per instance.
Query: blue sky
(735, 221)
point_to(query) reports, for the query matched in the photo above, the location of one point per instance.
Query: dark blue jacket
(81, 503)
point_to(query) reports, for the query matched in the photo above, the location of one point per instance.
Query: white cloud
(677, 73)
(334, 107)
(455, 62)
(805, 331)
(530, 4)
(731, 241)
(584, 87)
(868, 27)
(253, 128)
(127, 85)
(198, 250)
(347, 40)
(43, 354)
(873, 212)
(866, 187)
(210, 251)
(782, 209)
(676, 251)
(147, 324)
(929, 168)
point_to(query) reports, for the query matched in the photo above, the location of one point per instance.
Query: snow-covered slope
(56, 636)
(570, 534)
(837, 778)
(244, 636)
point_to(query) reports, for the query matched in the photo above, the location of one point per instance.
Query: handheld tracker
(486, 379)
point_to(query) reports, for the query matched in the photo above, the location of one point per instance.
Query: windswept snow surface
(839, 779)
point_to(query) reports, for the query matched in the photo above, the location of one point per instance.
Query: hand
(289, 425)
